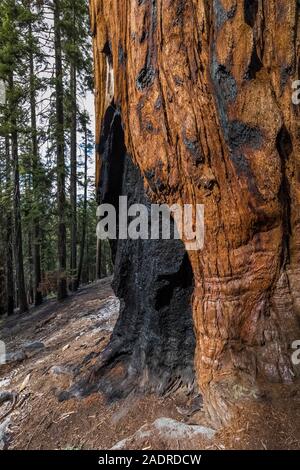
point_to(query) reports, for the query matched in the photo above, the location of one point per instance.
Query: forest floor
(54, 343)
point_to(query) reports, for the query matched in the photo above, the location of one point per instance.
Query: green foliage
(26, 34)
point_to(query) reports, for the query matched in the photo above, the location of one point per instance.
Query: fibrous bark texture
(204, 92)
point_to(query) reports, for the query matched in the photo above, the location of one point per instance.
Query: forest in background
(48, 239)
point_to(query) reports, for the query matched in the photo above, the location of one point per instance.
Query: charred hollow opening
(153, 343)
(153, 339)
(250, 11)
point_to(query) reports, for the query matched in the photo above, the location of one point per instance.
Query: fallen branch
(15, 404)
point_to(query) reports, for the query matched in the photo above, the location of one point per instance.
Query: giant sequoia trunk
(203, 90)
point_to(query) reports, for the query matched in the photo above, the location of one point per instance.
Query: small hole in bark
(254, 66)
(284, 143)
(107, 51)
(284, 147)
(250, 11)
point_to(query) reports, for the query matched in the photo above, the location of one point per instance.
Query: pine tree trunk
(38, 298)
(30, 283)
(73, 182)
(3, 293)
(204, 92)
(9, 237)
(84, 214)
(3, 302)
(60, 150)
(17, 235)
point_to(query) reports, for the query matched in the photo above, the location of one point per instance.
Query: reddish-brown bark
(205, 93)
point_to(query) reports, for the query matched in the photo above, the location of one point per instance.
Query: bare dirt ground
(56, 344)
